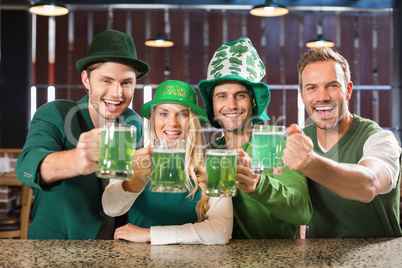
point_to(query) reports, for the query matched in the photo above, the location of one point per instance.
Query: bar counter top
(368, 252)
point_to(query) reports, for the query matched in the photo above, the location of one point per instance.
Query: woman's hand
(133, 233)
(142, 166)
(142, 162)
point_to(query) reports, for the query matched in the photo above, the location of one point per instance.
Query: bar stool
(17, 227)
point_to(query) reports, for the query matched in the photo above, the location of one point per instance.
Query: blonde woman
(171, 218)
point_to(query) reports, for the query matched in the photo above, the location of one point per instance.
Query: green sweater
(70, 208)
(335, 216)
(275, 208)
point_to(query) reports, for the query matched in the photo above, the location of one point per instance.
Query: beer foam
(222, 153)
(270, 133)
(169, 151)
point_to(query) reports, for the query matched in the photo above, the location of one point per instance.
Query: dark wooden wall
(364, 39)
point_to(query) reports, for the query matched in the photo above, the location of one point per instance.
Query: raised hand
(246, 180)
(299, 149)
(87, 152)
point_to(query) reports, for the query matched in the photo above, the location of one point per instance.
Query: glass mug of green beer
(221, 172)
(116, 150)
(267, 143)
(168, 166)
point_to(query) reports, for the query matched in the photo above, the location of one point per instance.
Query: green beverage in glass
(267, 144)
(116, 150)
(168, 166)
(221, 172)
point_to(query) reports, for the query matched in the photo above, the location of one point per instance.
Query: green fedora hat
(114, 46)
(178, 92)
(237, 60)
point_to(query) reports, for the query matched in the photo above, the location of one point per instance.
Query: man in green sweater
(60, 156)
(235, 99)
(351, 163)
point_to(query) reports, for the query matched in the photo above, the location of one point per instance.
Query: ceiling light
(159, 41)
(48, 8)
(269, 9)
(320, 42)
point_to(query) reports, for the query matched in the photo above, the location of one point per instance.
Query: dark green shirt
(160, 209)
(70, 208)
(335, 216)
(275, 208)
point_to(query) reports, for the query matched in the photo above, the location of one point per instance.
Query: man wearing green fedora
(235, 99)
(60, 156)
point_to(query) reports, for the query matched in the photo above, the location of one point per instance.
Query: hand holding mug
(247, 181)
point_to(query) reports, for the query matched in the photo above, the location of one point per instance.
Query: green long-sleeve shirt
(275, 208)
(70, 208)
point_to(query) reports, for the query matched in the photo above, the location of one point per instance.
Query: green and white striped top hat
(237, 60)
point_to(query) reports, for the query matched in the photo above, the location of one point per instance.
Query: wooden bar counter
(372, 252)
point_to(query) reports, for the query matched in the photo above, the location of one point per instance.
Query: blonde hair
(323, 54)
(195, 170)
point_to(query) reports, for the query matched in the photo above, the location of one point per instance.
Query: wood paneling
(42, 59)
(272, 62)
(365, 64)
(310, 22)
(329, 27)
(63, 68)
(196, 49)
(234, 22)
(291, 56)
(120, 19)
(188, 61)
(79, 51)
(157, 60)
(383, 69)
(177, 60)
(138, 34)
(347, 50)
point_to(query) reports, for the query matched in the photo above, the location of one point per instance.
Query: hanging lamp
(49, 8)
(160, 40)
(320, 42)
(269, 9)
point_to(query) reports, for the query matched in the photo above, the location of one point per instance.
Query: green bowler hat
(114, 46)
(237, 60)
(178, 92)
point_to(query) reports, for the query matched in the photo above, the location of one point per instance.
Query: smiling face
(325, 94)
(110, 89)
(172, 121)
(232, 105)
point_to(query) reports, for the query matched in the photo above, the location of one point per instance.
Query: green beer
(168, 171)
(116, 150)
(168, 167)
(268, 143)
(221, 172)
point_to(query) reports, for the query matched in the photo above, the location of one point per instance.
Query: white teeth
(232, 115)
(324, 108)
(112, 102)
(173, 132)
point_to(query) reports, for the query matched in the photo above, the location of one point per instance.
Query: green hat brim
(260, 90)
(142, 67)
(202, 115)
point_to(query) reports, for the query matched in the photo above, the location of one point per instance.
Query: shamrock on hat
(237, 60)
(175, 91)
